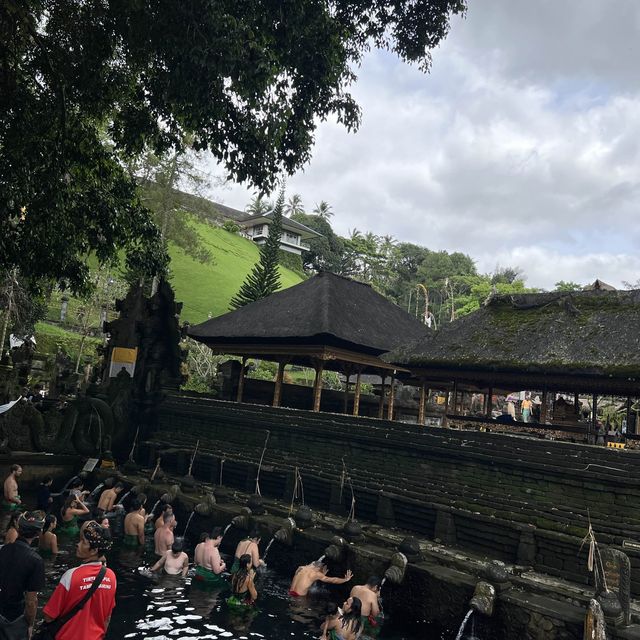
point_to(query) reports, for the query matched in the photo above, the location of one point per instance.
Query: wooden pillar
(391, 398)
(576, 403)
(317, 385)
(594, 413)
(543, 408)
(356, 395)
(454, 399)
(489, 411)
(382, 392)
(277, 389)
(347, 376)
(445, 421)
(243, 368)
(423, 402)
(629, 415)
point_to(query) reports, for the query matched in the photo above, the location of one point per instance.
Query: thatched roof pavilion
(326, 322)
(586, 341)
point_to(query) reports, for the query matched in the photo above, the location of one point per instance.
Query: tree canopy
(248, 81)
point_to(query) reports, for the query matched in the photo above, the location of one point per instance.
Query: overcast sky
(521, 147)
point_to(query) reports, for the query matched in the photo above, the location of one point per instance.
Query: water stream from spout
(96, 491)
(321, 558)
(154, 506)
(184, 533)
(266, 551)
(224, 533)
(120, 500)
(382, 583)
(464, 624)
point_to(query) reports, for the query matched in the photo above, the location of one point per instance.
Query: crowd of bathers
(90, 516)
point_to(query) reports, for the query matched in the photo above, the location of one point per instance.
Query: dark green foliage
(264, 278)
(291, 261)
(248, 81)
(325, 253)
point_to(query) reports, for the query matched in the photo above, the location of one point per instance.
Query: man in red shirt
(91, 622)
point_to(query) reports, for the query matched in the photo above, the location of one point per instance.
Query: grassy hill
(207, 288)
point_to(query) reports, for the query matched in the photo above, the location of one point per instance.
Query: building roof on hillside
(599, 284)
(287, 223)
(586, 333)
(326, 309)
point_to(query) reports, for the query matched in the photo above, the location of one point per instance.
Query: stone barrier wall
(521, 500)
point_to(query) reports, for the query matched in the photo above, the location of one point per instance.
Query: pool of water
(168, 608)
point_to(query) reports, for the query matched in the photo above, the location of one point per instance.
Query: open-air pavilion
(327, 322)
(577, 343)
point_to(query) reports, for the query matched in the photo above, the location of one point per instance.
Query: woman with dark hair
(347, 625)
(243, 589)
(11, 534)
(71, 509)
(248, 546)
(48, 543)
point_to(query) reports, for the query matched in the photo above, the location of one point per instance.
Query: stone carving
(483, 598)
(594, 624)
(617, 574)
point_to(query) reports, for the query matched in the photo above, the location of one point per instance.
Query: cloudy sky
(521, 147)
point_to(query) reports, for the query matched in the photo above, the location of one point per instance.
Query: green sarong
(206, 577)
(235, 566)
(70, 528)
(371, 626)
(130, 540)
(10, 506)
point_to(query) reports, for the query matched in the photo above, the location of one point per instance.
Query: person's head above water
(216, 534)
(178, 546)
(204, 536)
(374, 583)
(332, 609)
(135, 505)
(15, 470)
(255, 535)
(352, 608)
(168, 518)
(118, 487)
(94, 541)
(320, 565)
(50, 523)
(245, 561)
(30, 524)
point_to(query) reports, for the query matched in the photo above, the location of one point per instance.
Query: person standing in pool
(248, 546)
(11, 534)
(134, 525)
(48, 543)
(243, 589)
(209, 564)
(346, 625)
(11, 499)
(163, 537)
(175, 561)
(369, 596)
(306, 575)
(108, 499)
(92, 621)
(21, 577)
(159, 520)
(44, 498)
(69, 513)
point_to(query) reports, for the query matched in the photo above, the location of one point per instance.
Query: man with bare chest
(11, 498)
(163, 537)
(209, 564)
(175, 562)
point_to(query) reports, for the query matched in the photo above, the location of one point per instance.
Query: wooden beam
(277, 389)
(576, 403)
(489, 412)
(423, 402)
(243, 369)
(317, 386)
(392, 398)
(356, 395)
(382, 392)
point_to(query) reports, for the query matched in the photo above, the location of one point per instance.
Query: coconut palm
(294, 205)
(323, 209)
(258, 206)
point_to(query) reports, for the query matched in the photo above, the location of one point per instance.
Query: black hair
(142, 498)
(177, 546)
(374, 582)
(46, 480)
(119, 485)
(331, 609)
(48, 521)
(216, 532)
(351, 619)
(255, 535)
(67, 504)
(75, 483)
(167, 517)
(241, 575)
(135, 505)
(14, 467)
(204, 536)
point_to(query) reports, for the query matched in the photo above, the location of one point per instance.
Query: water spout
(155, 506)
(224, 533)
(184, 533)
(321, 558)
(266, 551)
(464, 624)
(397, 568)
(484, 597)
(382, 583)
(123, 497)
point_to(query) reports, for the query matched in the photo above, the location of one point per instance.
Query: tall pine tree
(264, 278)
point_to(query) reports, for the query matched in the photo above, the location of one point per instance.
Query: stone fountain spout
(205, 508)
(243, 521)
(484, 598)
(595, 627)
(284, 535)
(397, 568)
(336, 550)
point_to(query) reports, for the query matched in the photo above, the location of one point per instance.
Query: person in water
(209, 564)
(163, 537)
(175, 561)
(248, 546)
(242, 583)
(306, 575)
(369, 596)
(11, 499)
(160, 519)
(346, 625)
(44, 498)
(11, 534)
(71, 509)
(134, 525)
(48, 543)
(108, 499)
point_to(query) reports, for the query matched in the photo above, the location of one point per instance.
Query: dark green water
(170, 608)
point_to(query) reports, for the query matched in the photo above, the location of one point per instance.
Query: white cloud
(521, 147)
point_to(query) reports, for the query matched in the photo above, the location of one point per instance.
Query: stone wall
(521, 500)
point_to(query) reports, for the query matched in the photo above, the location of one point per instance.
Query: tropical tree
(258, 206)
(264, 278)
(244, 81)
(323, 209)
(561, 285)
(294, 205)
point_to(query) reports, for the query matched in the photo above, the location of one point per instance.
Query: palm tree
(294, 205)
(258, 206)
(323, 210)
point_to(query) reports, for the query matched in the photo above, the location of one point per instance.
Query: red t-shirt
(89, 622)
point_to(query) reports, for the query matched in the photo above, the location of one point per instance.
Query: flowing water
(188, 523)
(123, 498)
(266, 551)
(224, 533)
(168, 608)
(464, 624)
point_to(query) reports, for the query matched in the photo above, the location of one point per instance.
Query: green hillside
(207, 288)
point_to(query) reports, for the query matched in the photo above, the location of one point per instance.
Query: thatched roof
(586, 333)
(325, 309)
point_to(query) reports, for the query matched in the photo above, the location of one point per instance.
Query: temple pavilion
(327, 322)
(570, 343)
